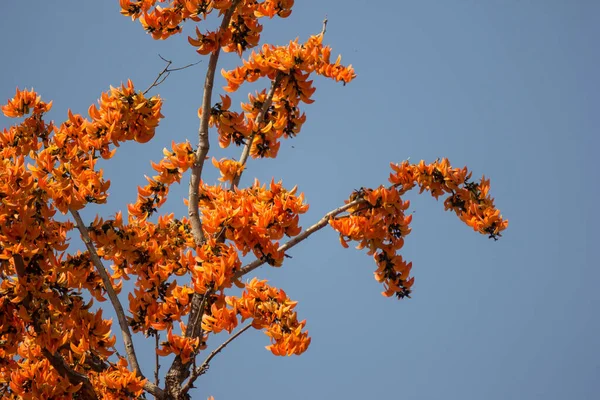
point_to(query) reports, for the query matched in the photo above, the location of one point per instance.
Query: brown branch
(166, 72)
(297, 239)
(205, 365)
(156, 360)
(259, 119)
(55, 359)
(112, 295)
(204, 144)
(179, 371)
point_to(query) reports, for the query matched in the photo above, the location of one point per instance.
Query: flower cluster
(295, 62)
(41, 313)
(219, 316)
(242, 32)
(377, 220)
(23, 103)
(281, 119)
(469, 200)
(153, 254)
(229, 169)
(254, 219)
(267, 119)
(182, 346)
(27, 224)
(271, 309)
(214, 266)
(75, 146)
(231, 125)
(170, 169)
(32, 376)
(379, 223)
(118, 382)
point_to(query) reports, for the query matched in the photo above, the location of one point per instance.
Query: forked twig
(164, 74)
(205, 365)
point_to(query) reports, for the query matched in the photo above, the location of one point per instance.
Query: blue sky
(508, 88)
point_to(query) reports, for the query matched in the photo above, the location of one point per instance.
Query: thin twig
(112, 295)
(205, 365)
(297, 239)
(324, 26)
(164, 74)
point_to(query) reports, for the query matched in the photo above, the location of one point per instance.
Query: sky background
(508, 88)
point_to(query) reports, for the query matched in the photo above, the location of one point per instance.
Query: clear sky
(509, 88)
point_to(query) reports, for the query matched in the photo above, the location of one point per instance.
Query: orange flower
(271, 309)
(23, 103)
(379, 224)
(229, 169)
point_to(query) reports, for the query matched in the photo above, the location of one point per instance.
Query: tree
(55, 344)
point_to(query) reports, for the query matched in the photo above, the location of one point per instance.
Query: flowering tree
(53, 344)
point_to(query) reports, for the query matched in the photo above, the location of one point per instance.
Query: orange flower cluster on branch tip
(53, 345)
(379, 223)
(242, 33)
(170, 169)
(118, 383)
(182, 346)
(270, 309)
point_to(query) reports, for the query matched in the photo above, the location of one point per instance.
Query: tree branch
(324, 29)
(179, 371)
(112, 295)
(156, 360)
(297, 239)
(205, 365)
(204, 144)
(166, 72)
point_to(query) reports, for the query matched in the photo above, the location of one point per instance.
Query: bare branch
(324, 26)
(157, 361)
(112, 295)
(164, 74)
(205, 365)
(297, 239)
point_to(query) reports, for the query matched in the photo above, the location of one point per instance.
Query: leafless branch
(164, 74)
(112, 295)
(156, 360)
(205, 365)
(297, 239)
(324, 26)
